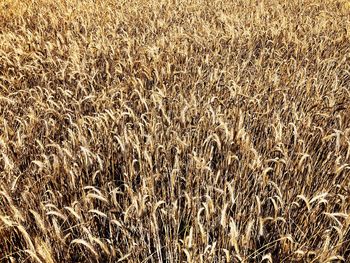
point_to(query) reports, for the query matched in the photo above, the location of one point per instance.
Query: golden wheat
(174, 131)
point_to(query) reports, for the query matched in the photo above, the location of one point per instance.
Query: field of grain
(174, 131)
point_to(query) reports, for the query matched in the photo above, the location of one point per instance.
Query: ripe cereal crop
(174, 131)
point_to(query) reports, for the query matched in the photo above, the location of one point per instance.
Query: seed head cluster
(174, 131)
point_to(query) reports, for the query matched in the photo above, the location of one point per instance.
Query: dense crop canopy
(174, 131)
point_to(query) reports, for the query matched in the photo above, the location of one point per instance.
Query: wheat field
(174, 131)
